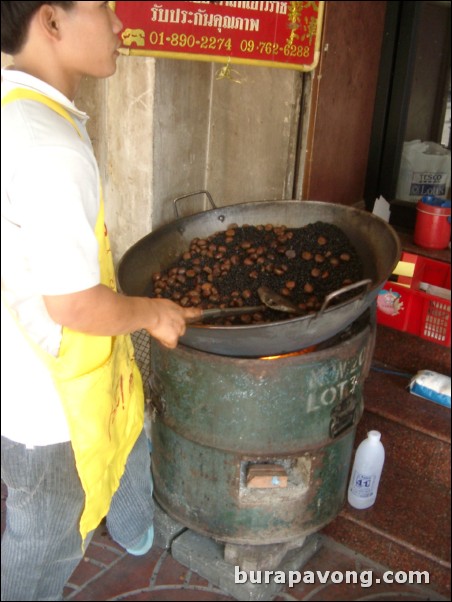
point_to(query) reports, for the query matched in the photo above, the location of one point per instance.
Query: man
(73, 448)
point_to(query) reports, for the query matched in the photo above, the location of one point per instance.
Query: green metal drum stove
(257, 450)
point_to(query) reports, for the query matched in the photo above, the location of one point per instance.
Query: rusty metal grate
(141, 340)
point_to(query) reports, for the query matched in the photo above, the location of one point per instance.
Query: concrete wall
(165, 128)
(121, 128)
(236, 139)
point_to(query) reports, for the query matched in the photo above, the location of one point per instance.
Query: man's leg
(41, 545)
(129, 520)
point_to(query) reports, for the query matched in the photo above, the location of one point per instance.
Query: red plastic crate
(412, 310)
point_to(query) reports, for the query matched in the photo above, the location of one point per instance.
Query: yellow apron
(99, 384)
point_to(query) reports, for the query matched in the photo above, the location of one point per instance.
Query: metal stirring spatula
(269, 299)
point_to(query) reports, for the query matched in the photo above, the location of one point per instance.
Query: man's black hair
(16, 17)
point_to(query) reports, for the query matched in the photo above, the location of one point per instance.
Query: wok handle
(345, 289)
(185, 196)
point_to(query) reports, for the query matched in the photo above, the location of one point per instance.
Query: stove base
(237, 570)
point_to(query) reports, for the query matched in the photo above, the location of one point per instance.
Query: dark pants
(41, 545)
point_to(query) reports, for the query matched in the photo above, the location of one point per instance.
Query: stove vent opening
(274, 478)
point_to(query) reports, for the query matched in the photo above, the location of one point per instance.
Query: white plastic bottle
(366, 472)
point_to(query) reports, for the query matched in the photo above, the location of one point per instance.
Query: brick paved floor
(109, 573)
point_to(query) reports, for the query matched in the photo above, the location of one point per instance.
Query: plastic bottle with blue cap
(366, 472)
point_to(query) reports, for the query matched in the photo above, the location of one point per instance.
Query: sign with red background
(272, 34)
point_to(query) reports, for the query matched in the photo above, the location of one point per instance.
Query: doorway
(413, 97)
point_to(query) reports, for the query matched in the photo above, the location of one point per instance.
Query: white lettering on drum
(324, 391)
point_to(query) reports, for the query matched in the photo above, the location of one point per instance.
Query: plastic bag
(431, 385)
(424, 170)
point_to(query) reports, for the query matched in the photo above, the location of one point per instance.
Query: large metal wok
(375, 241)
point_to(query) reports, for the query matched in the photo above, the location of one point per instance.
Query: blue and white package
(431, 385)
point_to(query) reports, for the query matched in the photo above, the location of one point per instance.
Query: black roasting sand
(226, 269)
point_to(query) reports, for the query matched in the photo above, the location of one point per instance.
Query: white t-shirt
(50, 201)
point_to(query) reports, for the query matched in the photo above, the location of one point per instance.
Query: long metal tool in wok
(269, 299)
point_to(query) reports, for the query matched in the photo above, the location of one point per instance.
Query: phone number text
(182, 40)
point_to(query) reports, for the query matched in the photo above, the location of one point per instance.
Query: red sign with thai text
(273, 34)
